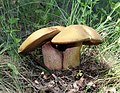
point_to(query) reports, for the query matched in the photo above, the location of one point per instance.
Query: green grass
(19, 18)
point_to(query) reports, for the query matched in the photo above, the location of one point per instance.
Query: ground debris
(110, 90)
(75, 80)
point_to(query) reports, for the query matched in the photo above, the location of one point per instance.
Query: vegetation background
(19, 18)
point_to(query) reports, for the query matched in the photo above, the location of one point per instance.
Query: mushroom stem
(57, 60)
(52, 57)
(72, 57)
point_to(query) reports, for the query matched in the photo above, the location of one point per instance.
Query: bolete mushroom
(72, 36)
(61, 45)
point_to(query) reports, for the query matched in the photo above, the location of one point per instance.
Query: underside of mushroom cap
(38, 38)
(73, 35)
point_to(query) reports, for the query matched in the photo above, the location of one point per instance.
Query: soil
(82, 79)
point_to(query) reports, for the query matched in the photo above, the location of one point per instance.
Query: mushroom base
(57, 60)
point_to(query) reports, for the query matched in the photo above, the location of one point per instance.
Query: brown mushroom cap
(95, 37)
(38, 38)
(75, 34)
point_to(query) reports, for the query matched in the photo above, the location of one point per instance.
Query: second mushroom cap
(75, 34)
(38, 38)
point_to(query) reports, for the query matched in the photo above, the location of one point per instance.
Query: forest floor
(87, 78)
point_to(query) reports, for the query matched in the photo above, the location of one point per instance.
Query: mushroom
(61, 45)
(52, 57)
(75, 36)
